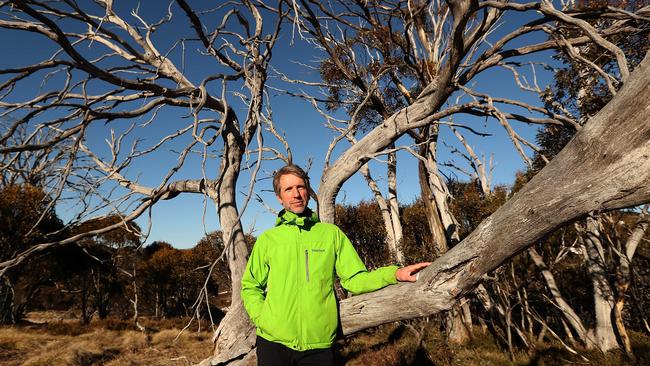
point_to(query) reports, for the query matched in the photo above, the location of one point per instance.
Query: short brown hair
(289, 169)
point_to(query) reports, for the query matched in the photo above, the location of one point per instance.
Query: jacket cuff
(389, 274)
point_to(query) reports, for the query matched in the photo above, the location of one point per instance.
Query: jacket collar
(307, 218)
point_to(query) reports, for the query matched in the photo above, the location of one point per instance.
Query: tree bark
(444, 230)
(605, 167)
(383, 208)
(567, 311)
(623, 278)
(235, 337)
(434, 218)
(604, 336)
(389, 208)
(393, 205)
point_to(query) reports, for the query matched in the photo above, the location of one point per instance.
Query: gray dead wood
(606, 166)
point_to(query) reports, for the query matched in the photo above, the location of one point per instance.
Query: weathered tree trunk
(605, 167)
(456, 323)
(389, 207)
(567, 311)
(435, 194)
(433, 218)
(604, 336)
(383, 206)
(235, 336)
(393, 205)
(234, 339)
(444, 230)
(623, 278)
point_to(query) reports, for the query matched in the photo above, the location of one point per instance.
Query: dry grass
(387, 345)
(393, 345)
(62, 343)
(115, 343)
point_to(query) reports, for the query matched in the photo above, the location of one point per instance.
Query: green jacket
(288, 285)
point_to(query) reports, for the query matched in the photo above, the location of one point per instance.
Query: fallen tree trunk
(605, 167)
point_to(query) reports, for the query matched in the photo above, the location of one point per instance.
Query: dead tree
(403, 63)
(562, 305)
(616, 140)
(509, 230)
(607, 257)
(108, 69)
(605, 167)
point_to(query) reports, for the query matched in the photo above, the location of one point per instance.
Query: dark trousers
(274, 354)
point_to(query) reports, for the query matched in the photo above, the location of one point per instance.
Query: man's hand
(408, 273)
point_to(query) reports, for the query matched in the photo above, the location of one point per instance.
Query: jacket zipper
(307, 263)
(300, 304)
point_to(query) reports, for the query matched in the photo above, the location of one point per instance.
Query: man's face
(293, 193)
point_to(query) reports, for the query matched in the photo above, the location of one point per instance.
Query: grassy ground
(396, 345)
(109, 343)
(53, 341)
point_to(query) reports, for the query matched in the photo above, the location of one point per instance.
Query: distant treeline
(105, 274)
(101, 275)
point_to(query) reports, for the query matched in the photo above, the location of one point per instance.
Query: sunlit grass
(114, 342)
(71, 343)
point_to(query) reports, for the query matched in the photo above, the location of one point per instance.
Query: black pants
(274, 354)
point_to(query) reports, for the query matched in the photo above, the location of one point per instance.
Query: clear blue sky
(180, 221)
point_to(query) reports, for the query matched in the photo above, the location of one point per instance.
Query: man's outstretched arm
(357, 279)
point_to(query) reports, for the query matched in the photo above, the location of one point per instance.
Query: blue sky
(185, 219)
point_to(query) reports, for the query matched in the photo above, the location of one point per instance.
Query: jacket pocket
(273, 329)
(321, 322)
(260, 322)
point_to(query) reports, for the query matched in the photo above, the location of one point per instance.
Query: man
(288, 285)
